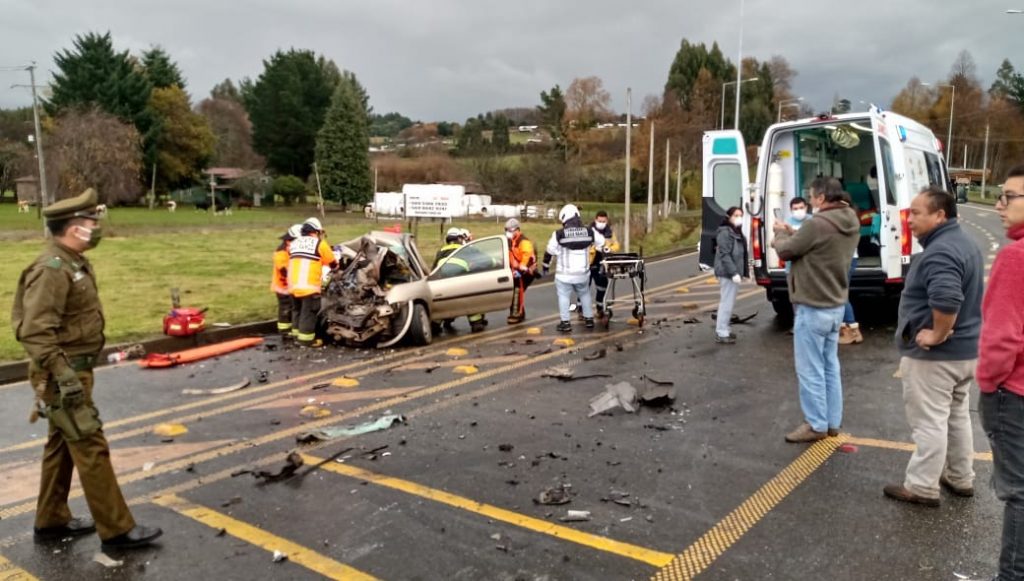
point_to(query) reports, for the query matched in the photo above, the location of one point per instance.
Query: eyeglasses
(1005, 199)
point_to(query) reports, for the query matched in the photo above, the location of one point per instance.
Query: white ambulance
(882, 159)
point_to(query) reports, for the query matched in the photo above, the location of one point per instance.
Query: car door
(725, 181)
(476, 278)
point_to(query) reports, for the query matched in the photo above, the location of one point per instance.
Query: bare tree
(93, 149)
(587, 102)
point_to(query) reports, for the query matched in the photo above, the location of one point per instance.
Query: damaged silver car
(384, 292)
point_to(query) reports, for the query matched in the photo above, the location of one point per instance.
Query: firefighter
(308, 255)
(279, 281)
(455, 239)
(523, 260)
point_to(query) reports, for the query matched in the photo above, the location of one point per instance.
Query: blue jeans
(848, 316)
(725, 305)
(1002, 417)
(816, 354)
(582, 290)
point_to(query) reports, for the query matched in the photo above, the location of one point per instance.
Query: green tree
(389, 124)
(161, 71)
(1009, 84)
(552, 112)
(342, 148)
(471, 137)
(184, 143)
(286, 105)
(500, 140)
(686, 67)
(93, 74)
(290, 188)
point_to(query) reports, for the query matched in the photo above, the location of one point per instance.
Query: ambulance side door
(725, 181)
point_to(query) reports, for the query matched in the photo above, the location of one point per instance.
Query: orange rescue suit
(308, 255)
(521, 254)
(279, 279)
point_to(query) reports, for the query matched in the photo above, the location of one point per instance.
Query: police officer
(58, 319)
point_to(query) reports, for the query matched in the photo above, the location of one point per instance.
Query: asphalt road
(703, 487)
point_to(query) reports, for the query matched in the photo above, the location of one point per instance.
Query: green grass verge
(222, 263)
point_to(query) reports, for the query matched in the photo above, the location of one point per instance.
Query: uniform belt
(82, 362)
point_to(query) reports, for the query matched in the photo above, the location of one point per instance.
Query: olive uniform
(58, 319)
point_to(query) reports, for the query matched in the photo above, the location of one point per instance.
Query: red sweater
(1001, 361)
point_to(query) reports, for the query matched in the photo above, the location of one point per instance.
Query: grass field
(219, 262)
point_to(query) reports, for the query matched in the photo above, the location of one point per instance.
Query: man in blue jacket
(937, 335)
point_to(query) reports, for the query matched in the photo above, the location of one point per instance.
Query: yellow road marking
(903, 446)
(375, 364)
(701, 554)
(649, 556)
(11, 572)
(265, 540)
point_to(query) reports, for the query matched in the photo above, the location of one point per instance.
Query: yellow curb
(345, 382)
(170, 430)
(313, 411)
(456, 352)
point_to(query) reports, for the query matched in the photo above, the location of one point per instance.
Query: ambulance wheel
(419, 330)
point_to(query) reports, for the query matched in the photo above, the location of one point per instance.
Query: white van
(882, 159)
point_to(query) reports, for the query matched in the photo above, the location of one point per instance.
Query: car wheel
(401, 322)
(783, 308)
(419, 330)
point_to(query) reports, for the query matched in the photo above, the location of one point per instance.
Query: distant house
(27, 189)
(227, 181)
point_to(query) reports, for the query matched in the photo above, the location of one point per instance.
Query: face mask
(800, 214)
(510, 235)
(600, 225)
(736, 221)
(92, 237)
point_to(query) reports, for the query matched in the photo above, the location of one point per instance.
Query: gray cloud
(449, 59)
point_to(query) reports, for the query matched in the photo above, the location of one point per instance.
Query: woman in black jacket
(730, 268)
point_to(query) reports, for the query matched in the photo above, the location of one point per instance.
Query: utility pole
(679, 181)
(650, 184)
(44, 198)
(984, 163)
(965, 156)
(949, 138)
(629, 131)
(668, 165)
(739, 72)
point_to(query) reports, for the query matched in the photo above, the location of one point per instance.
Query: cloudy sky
(449, 59)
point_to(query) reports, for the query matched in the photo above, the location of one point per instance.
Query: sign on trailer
(432, 200)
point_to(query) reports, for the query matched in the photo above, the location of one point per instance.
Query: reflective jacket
(444, 252)
(522, 256)
(279, 278)
(610, 242)
(308, 255)
(571, 246)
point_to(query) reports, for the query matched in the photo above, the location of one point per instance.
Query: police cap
(80, 206)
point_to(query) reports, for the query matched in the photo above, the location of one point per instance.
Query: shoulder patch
(54, 262)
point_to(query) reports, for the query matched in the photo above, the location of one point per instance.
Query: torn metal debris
(325, 434)
(220, 390)
(621, 394)
(555, 495)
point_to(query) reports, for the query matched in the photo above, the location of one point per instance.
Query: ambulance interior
(845, 151)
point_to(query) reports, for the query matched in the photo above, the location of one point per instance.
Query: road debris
(231, 501)
(106, 561)
(325, 434)
(615, 395)
(736, 319)
(148, 466)
(565, 373)
(505, 447)
(279, 557)
(220, 390)
(262, 376)
(319, 386)
(599, 354)
(292, 463)
(170, 430)
(432, 368)
(576, 516)
(373, 454)
(691, 321)
(556, 495)
(656, 393)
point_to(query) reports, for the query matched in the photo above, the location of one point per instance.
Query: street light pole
(721, 123)
(786, 103)
(949, 138)
(739, 71)
(629, 131)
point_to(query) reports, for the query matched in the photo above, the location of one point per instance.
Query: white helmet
(452, 234)
(568, 212)
(315, 224)
(295, 231)
(466, 234)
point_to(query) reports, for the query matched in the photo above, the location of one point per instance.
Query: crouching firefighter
(308, 255)
(279, 281)
(58, 319)
(571, 245)
(523, 260)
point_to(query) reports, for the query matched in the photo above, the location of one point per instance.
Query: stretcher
(161, 360)
(620, 267)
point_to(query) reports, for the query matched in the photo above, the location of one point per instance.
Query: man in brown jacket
(58, 319)
(821, 252)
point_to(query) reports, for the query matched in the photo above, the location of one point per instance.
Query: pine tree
(92, 73)
(342, 149)
(287, 104)
(161, 71)
(499, 136)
